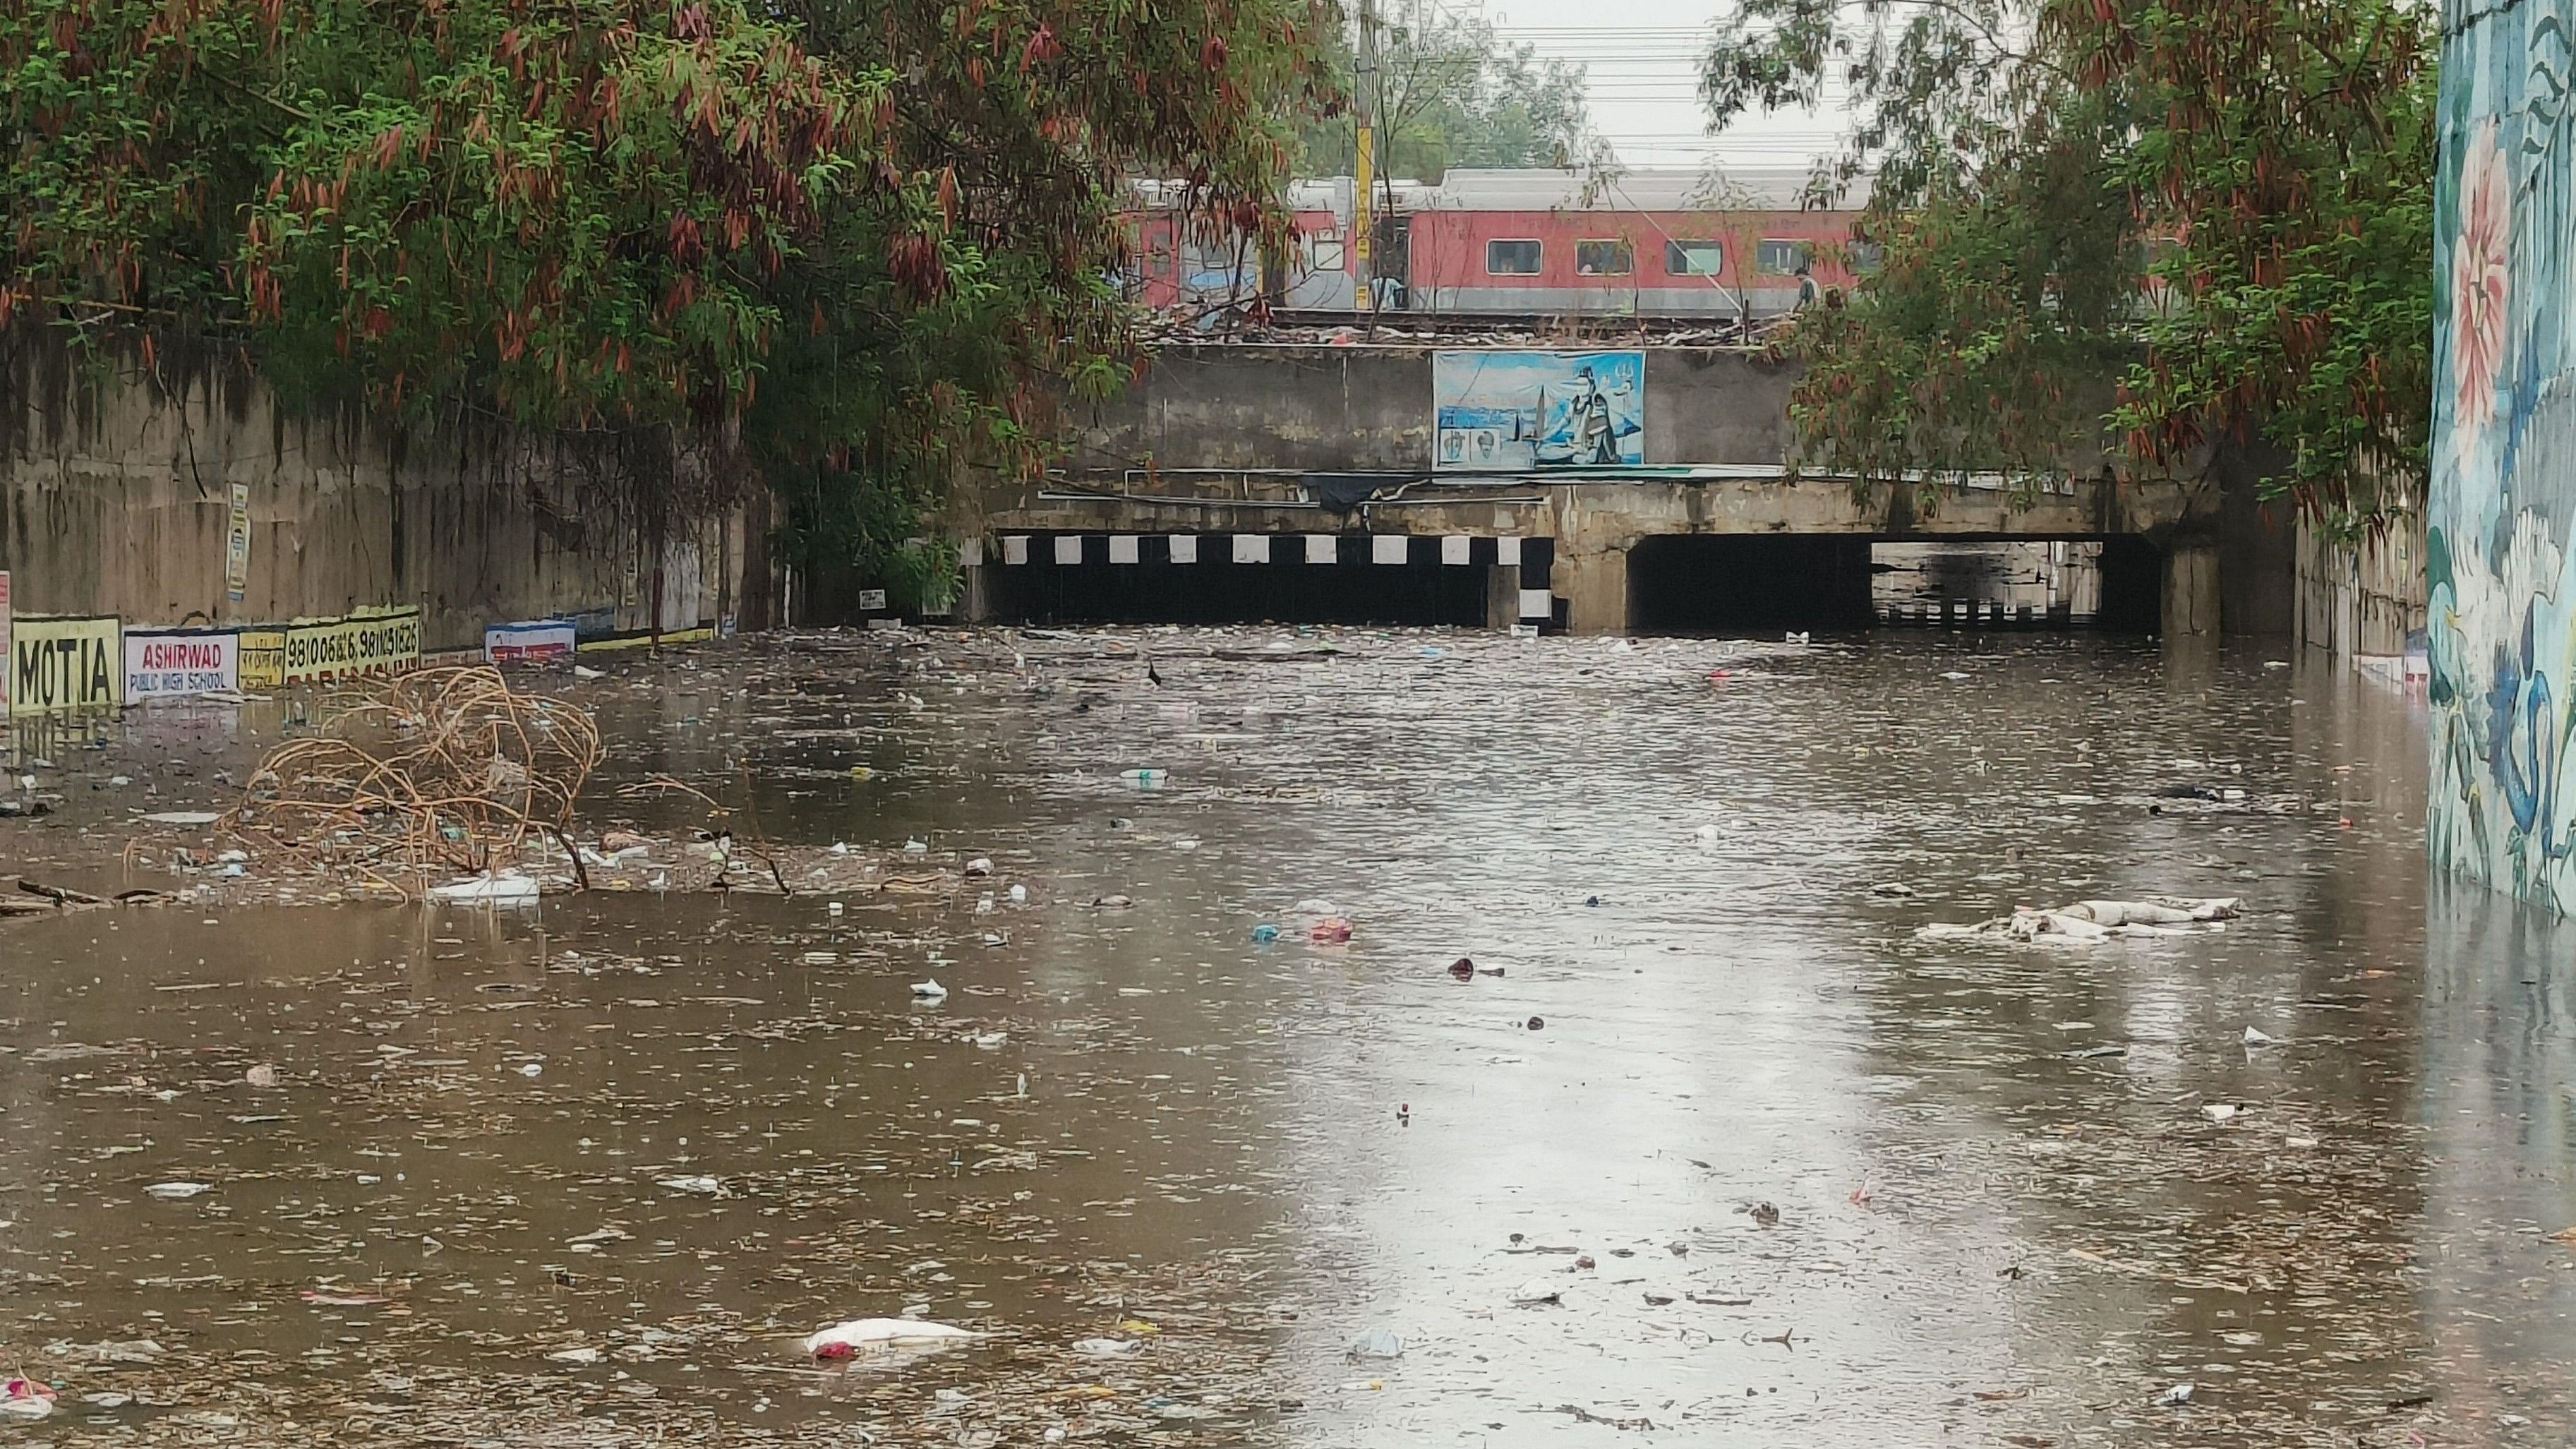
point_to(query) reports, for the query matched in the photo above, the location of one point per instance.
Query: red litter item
(25, 1399)
(1330, 931)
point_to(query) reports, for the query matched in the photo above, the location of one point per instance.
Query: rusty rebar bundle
(429, 774)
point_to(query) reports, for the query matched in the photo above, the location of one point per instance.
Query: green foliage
(849, 246)
(1982, 343)
(2275, 159)
(1451, 92)
(2290, 158)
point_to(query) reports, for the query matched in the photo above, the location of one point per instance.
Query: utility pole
(1364, 110)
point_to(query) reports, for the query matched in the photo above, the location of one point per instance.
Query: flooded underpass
(1724, 1150)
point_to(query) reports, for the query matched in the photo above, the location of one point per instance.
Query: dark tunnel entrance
(1839, 583)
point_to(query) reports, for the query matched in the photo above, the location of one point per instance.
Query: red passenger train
(1737, 245)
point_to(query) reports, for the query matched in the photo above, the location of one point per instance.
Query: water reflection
(2002, 1212)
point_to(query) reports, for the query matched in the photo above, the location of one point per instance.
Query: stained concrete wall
(1324, 409)
(2362, 597)
(115, 482)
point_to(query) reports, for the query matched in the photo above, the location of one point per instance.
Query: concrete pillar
(1595, 589)
(1502, 596)
(2191, 588)
(975, 594)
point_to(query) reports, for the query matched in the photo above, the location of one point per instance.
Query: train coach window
(1782, 258)
(1866, 257)
(1693, 258)
(1511, 258)
(1328, 251)
(1604, 258)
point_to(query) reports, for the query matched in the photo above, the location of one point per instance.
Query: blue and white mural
(1519, 412)
(2504, 450)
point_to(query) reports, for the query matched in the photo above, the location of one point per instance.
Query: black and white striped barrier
(1069, 550)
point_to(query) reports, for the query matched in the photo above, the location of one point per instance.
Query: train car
(1646, 243)
(1520, 242)
(1178, 263)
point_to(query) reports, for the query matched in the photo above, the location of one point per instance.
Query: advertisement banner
(1521, 412)
(375, 641)
(65, 663)
(237, 544)
(263, 658)
(532, 642)
(179, 663)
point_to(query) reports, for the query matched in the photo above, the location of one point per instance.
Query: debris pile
(2088, 921)
(423, 776)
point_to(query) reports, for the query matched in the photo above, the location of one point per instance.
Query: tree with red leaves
(852, 245)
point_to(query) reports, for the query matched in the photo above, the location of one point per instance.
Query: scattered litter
(1145, 777)
(1538, 1290)
(2220, 1111)
(583, 1355)
(1264, 934)
(2178, 1394)
(25, 1400)
(184, 817)
(2087, 921)
(1108, 1347)
(262, 1076)
(176, 1190)
(343, 1298)
(848, 1340)
(1330, 931)
(698, 1183)
(929, 990)
(2254, 1038)
(1377, 1343)
(979, 866)
(1536, 1023)
(510, 889)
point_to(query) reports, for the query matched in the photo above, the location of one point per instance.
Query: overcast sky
(1642, 57)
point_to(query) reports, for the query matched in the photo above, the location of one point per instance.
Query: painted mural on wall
(1519, 412)
(2502, 652)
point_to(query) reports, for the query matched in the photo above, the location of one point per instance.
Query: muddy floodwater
(1726, 1154)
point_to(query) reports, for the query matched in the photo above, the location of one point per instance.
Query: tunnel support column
(2191, 593)
(1594, 586)
(975, 604)
(1502, 596)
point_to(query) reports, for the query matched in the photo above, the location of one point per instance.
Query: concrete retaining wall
(2362, 598)
(116, 479)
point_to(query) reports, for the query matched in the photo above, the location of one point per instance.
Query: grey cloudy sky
(1642, 57)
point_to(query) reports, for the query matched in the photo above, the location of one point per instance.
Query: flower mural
(2500, 561)
(2499, 724)
(2480, 284)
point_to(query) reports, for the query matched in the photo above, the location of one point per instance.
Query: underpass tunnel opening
(1761, 583)
(1070, 578)
(1748, 583)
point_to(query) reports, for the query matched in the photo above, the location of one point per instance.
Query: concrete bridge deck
(1337, 443)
